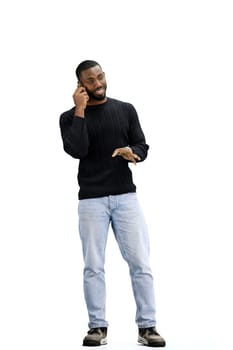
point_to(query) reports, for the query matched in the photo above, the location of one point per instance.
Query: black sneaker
(150, 337)
(95, 337)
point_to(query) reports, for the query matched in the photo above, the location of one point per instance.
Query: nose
(97, 84)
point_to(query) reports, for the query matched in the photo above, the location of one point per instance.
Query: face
(93, 79)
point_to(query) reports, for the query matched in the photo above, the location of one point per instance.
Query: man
(105, 135)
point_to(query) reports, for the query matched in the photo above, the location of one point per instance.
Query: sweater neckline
(98, 106)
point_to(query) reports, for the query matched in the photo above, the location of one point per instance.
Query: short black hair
(85, 65)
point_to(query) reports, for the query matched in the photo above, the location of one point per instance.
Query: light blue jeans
(124, 214)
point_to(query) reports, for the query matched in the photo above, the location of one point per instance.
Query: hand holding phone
(80, 98)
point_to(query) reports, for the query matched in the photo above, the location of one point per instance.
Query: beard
(93, 96)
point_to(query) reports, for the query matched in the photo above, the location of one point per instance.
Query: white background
(173, 61)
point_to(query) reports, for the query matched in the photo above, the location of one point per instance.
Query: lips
(100, 91)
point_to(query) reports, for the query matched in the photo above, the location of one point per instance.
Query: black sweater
(93, 139)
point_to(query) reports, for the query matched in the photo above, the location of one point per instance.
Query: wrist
(79, 112)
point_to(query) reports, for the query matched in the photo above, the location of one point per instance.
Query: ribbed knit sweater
(93, 139)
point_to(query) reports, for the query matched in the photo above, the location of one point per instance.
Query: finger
(136, 156)
(82, 89)
(133, 161)
(115, 153)
(77, 90)
(132, 157)
(128, 157)
(118, 152)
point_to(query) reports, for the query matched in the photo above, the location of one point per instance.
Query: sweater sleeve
(74, 135)
(136, 135)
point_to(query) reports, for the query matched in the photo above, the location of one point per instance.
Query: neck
(92, 102)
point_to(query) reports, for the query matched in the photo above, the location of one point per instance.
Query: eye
(90, 81)
(101, 76)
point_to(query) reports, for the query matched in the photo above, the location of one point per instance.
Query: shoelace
(152, 331)
(94, 330)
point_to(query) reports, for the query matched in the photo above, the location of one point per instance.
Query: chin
(100, 97)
